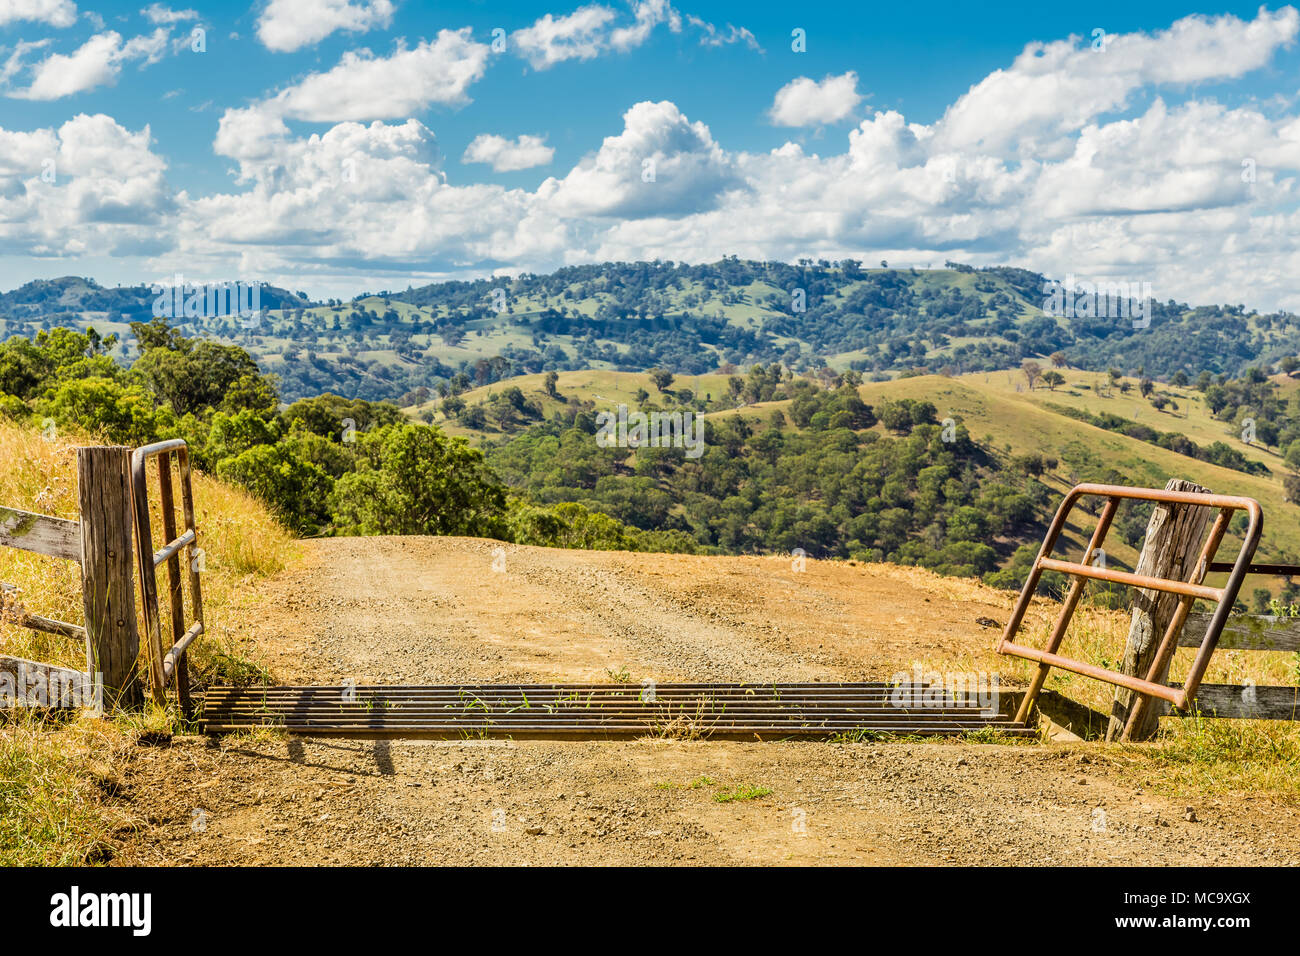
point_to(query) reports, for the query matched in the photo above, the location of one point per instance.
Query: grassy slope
(1192, 417)
(604, 387)
(1019, 422)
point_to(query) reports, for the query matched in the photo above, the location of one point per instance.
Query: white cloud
(661, 164)
(57, 13)
(89, 186)
(1053, 88)
(505, 155)
(358, 195)
(649, 14)
(363, 86)
(157, 13)
(288, 25)
(95, 63)
(581, 35)
(715, 37)
(806, 102)
(360, 87)
(591, 30)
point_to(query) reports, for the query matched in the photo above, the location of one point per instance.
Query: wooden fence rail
(1246, 632)
(57, 537)
(102, 543)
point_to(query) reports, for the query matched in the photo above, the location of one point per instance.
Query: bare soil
(408, 610)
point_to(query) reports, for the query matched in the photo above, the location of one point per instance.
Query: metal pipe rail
(170, 666)
(1147, 688)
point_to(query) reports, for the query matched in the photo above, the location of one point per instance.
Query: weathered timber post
(1171, 550)
(107, 582)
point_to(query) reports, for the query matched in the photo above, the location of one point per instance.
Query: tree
(1058, 359)
(414, 479)
(1053, 378)
(1032, 370)
(662, 378)
(1292, 455)
(101, 407)
(1145, 386)
(552, 377)
(192, 375)
(296, 490)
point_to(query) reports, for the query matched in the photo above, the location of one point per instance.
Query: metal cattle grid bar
(1188, 591)
(744, 711)
(168, 667)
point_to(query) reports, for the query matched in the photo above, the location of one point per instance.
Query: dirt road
(404, 610)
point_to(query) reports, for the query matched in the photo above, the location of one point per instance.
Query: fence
(113, 504)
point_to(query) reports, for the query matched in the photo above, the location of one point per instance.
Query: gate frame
(164, 668)
(1148, 690)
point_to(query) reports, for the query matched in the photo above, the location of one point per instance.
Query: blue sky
(326, 144)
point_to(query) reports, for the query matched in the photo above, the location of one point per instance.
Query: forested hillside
(688, 319)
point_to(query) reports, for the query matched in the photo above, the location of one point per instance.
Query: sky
(341, 146)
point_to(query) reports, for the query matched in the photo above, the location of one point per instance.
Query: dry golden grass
(53, 781)
(1190, 756)
(240, 539)
(54, 775)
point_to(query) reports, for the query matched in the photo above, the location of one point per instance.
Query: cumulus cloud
(363, 86)
(95, 63)
(57, 13)
(358, 195)
(89, 186)
(591, 30)
(288, 25)
(505, 155)
(1053, 88)
(662, 164)
(807, 102)
(580, 35)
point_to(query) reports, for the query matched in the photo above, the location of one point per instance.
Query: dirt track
(404, 610)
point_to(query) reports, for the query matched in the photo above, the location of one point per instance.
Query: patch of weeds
(1223, 756)
(741, 794)
(620, 676)
(233, 669)
(50, 810)
(857, 736)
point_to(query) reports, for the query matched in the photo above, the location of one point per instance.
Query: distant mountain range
(690, 319)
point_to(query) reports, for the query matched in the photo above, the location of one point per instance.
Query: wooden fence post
(1171, 548)
(108, 585)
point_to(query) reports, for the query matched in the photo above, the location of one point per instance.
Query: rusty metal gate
(167, 667)
(1148, 689)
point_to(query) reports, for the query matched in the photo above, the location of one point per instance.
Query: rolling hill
(690, 319)
(1000, 414)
